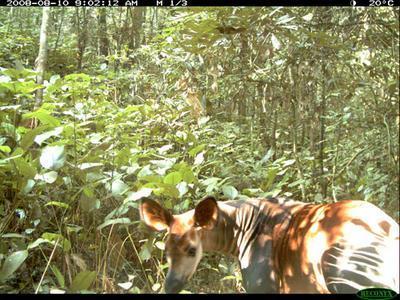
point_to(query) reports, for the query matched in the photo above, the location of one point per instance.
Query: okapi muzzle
(282, 245)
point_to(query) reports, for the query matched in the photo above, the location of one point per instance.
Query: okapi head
(183, 247)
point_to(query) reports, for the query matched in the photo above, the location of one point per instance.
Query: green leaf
(25, 168)
(54, 78)
(82, 281)
(160, 245)
(187, 175)
(308, 17)
(182, 188)
(118, 187)
(5, 149)
(156, 287)
(251, 192)
(193, 152)
(267, 156)
(3, 79)
(49, 177)
(28, 186)
(145, 171)
(296, 183)
(39, 139)
(166, 189)
(62, 241)
(145, 251)
(56, 203)
(270, 177)
(211, 184)
(199, 159)
(7, 128)
(29, 137)
(289, 162)
(143, 192)
(275, 42)
(284, 19)
(13, 235)
(230, 191)
(59, 276)
(114, 221)
(229, 277)
(44, 117)
(52, 157)
(85, 166)
(12, 263)
(88, 192)
(164, 149)
(163, 165)
(125, 285)
(318, 198)
(173, 178)
(51, 238)
(88, 203)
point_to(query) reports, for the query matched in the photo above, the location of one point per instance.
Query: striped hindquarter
(338, 248)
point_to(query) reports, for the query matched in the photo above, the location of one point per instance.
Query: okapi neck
(240, 222)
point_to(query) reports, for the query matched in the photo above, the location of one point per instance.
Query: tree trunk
(242, 101)
(59, 29)
(102, 32)
(82, 33)
(322, 132)
(42, 55)
(10, 18)
(137, 16)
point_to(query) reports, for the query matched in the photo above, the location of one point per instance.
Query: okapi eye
(192, 252)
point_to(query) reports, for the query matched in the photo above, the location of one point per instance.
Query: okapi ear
(154, 215)
(206, 213)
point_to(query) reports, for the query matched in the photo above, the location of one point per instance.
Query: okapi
(283, 246)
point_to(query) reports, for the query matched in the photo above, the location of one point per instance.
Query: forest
(101, 107)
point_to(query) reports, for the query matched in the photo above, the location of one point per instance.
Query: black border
(180, 296)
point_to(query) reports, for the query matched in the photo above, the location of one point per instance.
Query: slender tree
(41, 59)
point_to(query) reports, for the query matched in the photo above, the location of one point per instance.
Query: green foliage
(12, 263)
(83, 281)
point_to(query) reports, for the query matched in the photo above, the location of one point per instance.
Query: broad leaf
(173, 178)
(182, 188)
(29, 137)
(53, 157)
(193, 152)
(56, 203)
(82, 281)
(275, 42)
(51, 238)
(12, 263)
(88, 203)
(48, 177)
(59, 276)
(85, 166)
(199, 159)
(118, 187)
(25, 168)
(5, 149)
(44, 117)
(230, 191)
(143, 192)
(39, 139)
(114, 221)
